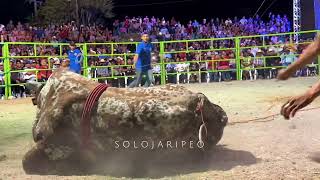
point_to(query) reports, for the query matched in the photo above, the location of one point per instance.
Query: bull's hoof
(36, 162)
(3, 157)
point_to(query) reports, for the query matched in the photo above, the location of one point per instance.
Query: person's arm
(79, 57)
(306, 57)
(290, 108)
(314, 91)
(136, 56)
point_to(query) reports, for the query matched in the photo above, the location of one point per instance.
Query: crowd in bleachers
(160, 29)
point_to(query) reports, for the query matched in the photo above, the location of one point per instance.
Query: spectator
(56, 63)
(194, 69)
(29, 75)
(243, 21)
(17, 79)
(43, 73)
(246, 65)
(258, 64)
(103, 71)
(157, 73)
(224, 66)
(214, 76)
(65, 64)
(75, 57)
(171, 68)
(288, 57)
(182, 69)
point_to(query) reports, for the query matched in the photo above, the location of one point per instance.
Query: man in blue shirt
(75, 56)
(142, 62)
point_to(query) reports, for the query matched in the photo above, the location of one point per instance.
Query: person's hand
(289, 109)
(284, 74)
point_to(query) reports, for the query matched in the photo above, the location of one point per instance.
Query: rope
(87, 110)
(199, 109)
(266, 118)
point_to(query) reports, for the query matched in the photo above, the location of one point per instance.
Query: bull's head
(35, 88)
(60, 92)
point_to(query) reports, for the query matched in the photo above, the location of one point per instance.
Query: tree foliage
(89, 11)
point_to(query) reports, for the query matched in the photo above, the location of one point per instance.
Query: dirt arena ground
(276, 149)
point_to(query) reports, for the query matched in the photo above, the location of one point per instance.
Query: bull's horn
(34, 86)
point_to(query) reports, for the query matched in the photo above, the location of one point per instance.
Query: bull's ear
(34, 87)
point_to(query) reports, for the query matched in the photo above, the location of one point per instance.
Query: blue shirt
(75, 57)
(144, 56)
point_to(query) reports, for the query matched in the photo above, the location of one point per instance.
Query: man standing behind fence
(75, 57)
(142, 62)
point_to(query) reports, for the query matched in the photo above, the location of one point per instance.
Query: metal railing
(198, 47)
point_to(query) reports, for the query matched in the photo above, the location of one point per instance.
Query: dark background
(200, 9)
(308, 15)
(18, 10)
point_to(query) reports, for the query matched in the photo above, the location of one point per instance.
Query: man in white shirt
(157, 74)
(181, 68)
(30, 74)
(243, 20)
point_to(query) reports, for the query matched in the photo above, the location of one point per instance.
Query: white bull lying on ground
(147, 120)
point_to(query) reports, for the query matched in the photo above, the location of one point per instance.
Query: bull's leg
(36, 161)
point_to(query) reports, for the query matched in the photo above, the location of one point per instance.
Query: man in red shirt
(224, 65)
(43, 73)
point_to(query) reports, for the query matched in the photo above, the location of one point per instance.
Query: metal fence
(182, 61)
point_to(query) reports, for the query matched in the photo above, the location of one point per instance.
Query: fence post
(238, 60)
(7, 74)
(35, 50)
(163, 69)
(60, 49)
(85, 60)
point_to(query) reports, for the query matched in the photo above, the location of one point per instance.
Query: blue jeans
(225, 76)
(214, 76)
(1, 89)
(138, 78)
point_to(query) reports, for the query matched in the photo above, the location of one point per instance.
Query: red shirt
(183, 55)
(43, 74)
(224, 63)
